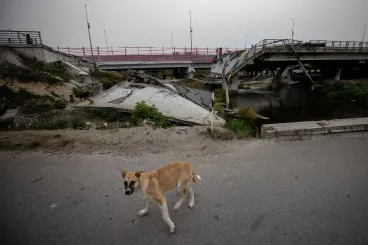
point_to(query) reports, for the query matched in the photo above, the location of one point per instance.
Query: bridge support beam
(233, 84)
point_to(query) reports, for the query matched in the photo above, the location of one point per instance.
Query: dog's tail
(195, 177)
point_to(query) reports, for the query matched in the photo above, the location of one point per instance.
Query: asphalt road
(311, 192)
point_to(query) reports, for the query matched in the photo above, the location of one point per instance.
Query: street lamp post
(292, 31)
(363, 32)
(172, 42)
(246, 42)
(89, 34)
(191, 33)
(107, 45)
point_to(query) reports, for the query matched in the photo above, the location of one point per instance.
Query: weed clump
(220, 95)
(142, 112)
(240, 127)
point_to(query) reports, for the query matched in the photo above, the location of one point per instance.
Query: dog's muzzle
(129, 188)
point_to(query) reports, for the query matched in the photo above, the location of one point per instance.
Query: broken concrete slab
(177, 108)
(310, 128)
(199, 97)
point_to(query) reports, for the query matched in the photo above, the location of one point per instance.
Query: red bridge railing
(145, 54)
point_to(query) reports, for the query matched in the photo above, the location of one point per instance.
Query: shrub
(108, 79)
(346, 91)
(59, 104)
(241, 127)
(142, 112)
(106, 83)
(75, 90)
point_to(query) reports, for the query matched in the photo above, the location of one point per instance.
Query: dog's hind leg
(183, 194)
(191, 193)
(146, 209)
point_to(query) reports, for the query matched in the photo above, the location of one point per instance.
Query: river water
(294, 104)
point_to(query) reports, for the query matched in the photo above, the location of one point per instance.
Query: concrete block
(344, 125)
(310, 128)
(291, 129)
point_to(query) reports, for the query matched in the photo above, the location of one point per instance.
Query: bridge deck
(275, 50)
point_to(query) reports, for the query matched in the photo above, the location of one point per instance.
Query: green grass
(218, 107)
(220, 95)
(240, 127)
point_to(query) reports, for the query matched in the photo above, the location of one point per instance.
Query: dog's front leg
(166, 216)
(146, 209)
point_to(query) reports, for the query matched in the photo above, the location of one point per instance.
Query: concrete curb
(310, 128)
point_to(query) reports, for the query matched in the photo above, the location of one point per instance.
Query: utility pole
(172, 42)
(107, 45)
(191, 33)
(89, 34)
(292, 31)
(363, 33)
(246, 42)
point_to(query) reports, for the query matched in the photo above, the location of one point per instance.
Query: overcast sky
(215, 23)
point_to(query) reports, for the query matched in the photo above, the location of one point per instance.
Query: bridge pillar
(338, 75)
(184, 72)
(233, 84)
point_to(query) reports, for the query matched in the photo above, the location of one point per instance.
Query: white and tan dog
(154, 184)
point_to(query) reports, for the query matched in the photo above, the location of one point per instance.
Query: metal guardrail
(9, 37)
(274, 45)
(145, 54)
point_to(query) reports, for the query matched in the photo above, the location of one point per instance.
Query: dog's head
(131, 180)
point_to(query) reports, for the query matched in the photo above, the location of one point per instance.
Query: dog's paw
(143, 212)
(172, 229)
(191, 205)
(177, 206)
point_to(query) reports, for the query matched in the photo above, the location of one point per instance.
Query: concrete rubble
(179, 104)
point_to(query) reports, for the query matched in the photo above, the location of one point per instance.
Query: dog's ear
(138, 173)
(123, 172)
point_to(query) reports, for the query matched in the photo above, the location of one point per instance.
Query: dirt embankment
(128, 142)
(59, 91)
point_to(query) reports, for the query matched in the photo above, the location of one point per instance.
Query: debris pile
(177, 103)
